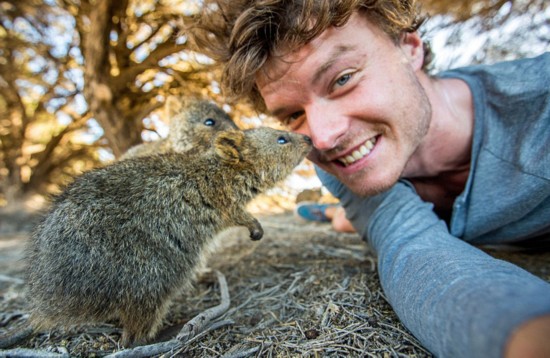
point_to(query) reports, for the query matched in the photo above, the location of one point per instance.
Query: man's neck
(440, 166)
(447, 146)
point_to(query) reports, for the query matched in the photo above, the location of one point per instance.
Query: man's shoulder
(518, 76)
(512, 111)
(535, 63)
(512, 93)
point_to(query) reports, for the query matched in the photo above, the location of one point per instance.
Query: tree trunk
(97, 89)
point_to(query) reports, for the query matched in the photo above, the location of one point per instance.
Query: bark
(98, 92)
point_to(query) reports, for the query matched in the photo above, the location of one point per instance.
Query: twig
(31, 353)
(17, 335)
(210, 328)
(242, 354)
(190, 330)
(147, 351)
(8, 316)
(5, 278)
(199, 322)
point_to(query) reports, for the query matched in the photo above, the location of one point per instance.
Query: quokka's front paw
(256, 233)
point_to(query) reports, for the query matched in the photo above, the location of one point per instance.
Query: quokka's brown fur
(121, 241)
(193, 124)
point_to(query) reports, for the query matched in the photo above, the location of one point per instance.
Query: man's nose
(325, 126)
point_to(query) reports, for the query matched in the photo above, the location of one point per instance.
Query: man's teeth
(363, 151)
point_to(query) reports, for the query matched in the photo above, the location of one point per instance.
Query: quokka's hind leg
(141, 324)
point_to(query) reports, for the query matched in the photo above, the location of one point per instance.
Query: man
(424, 166)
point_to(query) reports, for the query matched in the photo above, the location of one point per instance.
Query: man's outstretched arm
(456, 299)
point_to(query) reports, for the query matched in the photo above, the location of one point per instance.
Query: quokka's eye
(209, 122)
(282, 140)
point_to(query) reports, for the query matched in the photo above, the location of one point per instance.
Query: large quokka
(193, 124)
(121, 241)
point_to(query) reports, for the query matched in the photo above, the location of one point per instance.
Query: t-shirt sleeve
(456, 299)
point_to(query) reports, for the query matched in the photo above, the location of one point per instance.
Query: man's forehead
(284, 57)
(278, 66)
(310, 58)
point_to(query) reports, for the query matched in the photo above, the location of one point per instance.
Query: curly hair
(243, 34)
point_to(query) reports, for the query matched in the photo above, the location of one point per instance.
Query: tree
(483, 31)
(79, 75)
(485, 9)
(39, 122)
(134, 57)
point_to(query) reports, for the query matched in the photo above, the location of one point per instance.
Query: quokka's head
(194, 122)
(272, 154)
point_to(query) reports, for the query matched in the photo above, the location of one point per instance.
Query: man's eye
(293, 118)
(343, 79)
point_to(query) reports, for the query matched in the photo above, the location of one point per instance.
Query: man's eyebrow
(332, 58)
(276, 113)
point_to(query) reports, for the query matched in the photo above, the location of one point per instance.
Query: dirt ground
(302, 291)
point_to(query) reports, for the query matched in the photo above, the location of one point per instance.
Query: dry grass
(303, 290)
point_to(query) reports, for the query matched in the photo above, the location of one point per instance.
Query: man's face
(356, 94)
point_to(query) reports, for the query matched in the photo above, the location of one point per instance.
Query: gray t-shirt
(507, 196)
(457, 300)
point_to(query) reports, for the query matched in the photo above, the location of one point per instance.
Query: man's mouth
(359, 153)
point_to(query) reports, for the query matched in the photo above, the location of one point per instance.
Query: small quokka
(193, 124)
(123, 240)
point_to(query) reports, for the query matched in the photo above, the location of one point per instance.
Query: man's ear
(173, 106)
(228, 146)
(413, 47)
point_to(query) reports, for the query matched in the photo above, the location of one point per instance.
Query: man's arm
(457, 300)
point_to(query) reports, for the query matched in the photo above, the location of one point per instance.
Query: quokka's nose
(307, 139)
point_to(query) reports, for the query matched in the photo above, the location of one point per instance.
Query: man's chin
(366, 188)
(360, 183)
(366, 192)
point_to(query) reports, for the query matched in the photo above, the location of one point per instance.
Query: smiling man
(364, 127)
(425, 166)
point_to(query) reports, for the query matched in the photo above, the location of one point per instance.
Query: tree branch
(190, 330)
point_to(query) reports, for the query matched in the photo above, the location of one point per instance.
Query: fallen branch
(147, 351)
(10, 279)
(31, 353)
(214, 326)
(6, 317)
(199, 322)
(196, 325)
(12, 338)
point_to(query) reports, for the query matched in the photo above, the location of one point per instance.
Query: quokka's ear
(228, 145)
(173, 106)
